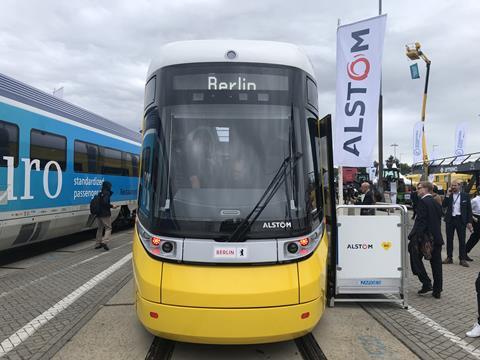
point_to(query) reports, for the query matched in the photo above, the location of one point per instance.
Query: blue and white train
(54, 157)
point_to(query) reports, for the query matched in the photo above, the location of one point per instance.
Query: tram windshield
(214, 158)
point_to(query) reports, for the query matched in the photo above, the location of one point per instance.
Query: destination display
(231, 82)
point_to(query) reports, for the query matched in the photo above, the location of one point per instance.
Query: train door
(323, 156)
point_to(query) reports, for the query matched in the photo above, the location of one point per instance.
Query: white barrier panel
(369, 254)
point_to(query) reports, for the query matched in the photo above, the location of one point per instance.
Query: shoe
(464, 263)
(468, 258)
(105, 246)
(437, 294)
(475, 332)
(98, 246)
(424, 290)
(448, 260)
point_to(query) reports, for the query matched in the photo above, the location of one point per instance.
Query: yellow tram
(230, 245)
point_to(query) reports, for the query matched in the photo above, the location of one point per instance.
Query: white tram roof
(248, 51)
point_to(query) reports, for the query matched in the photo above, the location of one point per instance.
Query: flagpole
(340, 168)
(380, 127)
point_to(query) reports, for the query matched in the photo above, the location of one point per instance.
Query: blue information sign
(414, 71)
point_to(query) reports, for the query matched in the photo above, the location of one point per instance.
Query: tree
(405, 169)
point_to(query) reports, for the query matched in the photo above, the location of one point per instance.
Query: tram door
(324, 161)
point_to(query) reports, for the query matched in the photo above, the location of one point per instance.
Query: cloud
(100, 52)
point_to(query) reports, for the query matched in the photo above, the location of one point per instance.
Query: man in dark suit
(427, 221)
(366, 199)
(457, 217)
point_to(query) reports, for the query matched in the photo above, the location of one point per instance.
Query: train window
(46, 147)
(135, 160)
(111, 161)
(8, 142)
(85, 157)
(127, 164)
(312, 93)
(150, 91)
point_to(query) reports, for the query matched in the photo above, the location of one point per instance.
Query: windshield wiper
(244, 227)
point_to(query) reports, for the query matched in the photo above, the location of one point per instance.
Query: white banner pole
(340, 185)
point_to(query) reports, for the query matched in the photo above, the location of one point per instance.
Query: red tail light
(305, 315)
(153, 314)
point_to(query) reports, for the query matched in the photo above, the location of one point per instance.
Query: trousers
(418, 268)
(103, 223)
(475, 235)
(456, 224)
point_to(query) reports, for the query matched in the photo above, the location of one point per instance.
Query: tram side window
(312, 93)
(110, 161)
(8, 142)
(145, 186)
(85, 157)
(150, 91)
(313, 166)
(46, 147)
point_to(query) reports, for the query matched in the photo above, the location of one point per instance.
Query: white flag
(359, 60)
(417, 142)
(460, 138)
(460, 142)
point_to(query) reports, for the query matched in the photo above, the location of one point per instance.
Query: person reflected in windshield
(201, 157)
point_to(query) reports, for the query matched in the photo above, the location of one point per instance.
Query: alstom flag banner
(460, 138)
(460, 142)
(359, 60)
(417, 142)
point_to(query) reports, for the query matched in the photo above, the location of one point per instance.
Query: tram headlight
(161, 247)
(292, 247)
(167, 247)
(297, 248)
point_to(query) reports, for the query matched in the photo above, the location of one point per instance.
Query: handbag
(425, 245)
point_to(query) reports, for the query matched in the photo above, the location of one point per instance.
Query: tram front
(229, 244)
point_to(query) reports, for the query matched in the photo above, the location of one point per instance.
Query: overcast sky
(99, 51)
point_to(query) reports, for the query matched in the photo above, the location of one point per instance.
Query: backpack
(95, 204)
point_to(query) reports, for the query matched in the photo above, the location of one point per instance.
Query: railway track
(162, 349)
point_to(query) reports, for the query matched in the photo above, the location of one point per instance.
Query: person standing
(457, 217)
(475, 332)
(475, 236)
(366, 199)
(414, 203)
(104, 220)
(436, 196)
(427, 222)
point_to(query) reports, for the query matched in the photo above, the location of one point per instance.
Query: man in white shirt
(457, 218)
(475, 236)
(475, 332)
